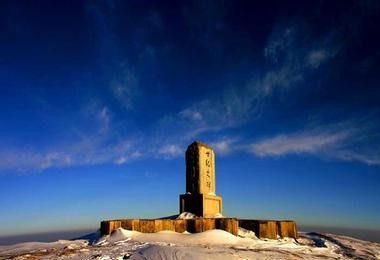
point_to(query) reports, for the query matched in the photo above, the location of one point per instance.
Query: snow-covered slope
(213, 244)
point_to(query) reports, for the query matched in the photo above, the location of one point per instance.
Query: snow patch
(189, 215)
(186, 215)
(242, 232)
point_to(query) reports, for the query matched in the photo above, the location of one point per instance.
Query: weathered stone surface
(209, 224)
(201, 204)
(105, 227)
(263, 228)
(157, 225)
(249, 224)
(135, 224)
(147, 226)
(287, 228)
(168, 224)
(126, 224)
(200, 197)
(194, 225)
(200, 169)
(178, 225)
(227, 224)
(270, 228)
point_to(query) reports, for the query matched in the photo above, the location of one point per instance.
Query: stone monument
(200, 198)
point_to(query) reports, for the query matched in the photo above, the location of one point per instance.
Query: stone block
(250, 224)
(230, 225)
(147, 226)
(270, 228)
(198, 225)
(202, 205)
(267, 229)
(116, 224)
(168, 224)
(287, 228)
(135, 224)
(208, 224)
(194, 225)
(158, 225)
(180, 225)
(105, 227)
(190, 225)
(126, 224)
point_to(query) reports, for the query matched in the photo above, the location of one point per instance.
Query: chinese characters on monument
(200, 197)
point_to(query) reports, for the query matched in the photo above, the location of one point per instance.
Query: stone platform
(263, 228)
(196, 225)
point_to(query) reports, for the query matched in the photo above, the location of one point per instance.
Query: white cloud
(281, 40)
(305, 142)
(283, 77)
(225, 146)
(240, 104)
(170, 150)
(367, 157)
(125, 88)
(136, 154)
(97, 142)
(316, 57)
(104, 118)
(26, 160)
(228, 109)
(121, 160)
(339, 142)
(191, 114)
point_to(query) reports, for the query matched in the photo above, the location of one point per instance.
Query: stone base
(271, 229)
(202, 205)
(196, 225)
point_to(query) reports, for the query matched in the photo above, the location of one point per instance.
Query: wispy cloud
(125, 87)
(280, 41)
(293, 59)
(308, 142)
(89, 151)
(367, 157)
(104, 119)
(316, 57)
(170, 150)
(122, 79)
(225, 146)
(340, 142)
(90, 143)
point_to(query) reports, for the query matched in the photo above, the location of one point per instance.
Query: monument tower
(200, 198)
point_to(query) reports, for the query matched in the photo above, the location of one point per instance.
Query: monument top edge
(199, 143)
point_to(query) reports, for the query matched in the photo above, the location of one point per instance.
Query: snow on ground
(212, 244)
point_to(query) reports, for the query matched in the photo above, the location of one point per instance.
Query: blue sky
(99, 100)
